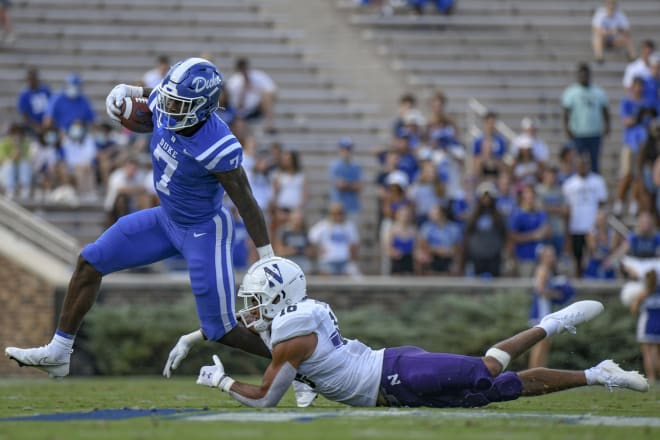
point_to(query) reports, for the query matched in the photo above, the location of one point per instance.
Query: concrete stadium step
(167, 5)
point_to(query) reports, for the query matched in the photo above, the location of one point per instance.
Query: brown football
(136, 115)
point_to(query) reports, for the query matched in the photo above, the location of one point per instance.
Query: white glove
(116, 96)
(214, 375)
(180, 351)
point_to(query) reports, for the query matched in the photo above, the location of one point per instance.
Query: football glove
(180, 351)
(116, 97)
(214, 375)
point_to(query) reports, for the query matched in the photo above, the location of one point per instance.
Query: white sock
(550, 326)
(61, 345)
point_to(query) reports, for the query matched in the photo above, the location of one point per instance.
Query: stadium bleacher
(513, 56)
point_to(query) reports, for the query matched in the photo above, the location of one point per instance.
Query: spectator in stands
(566, 163)
(633, 115)
(8, 35)
(289, 187)
(504, 194)
(552, 201)
(242, 244)
(485, 234)
(529, 133)
(440, 244)
(407, 103)
(79, 150)
(602, 242)
(611, 30)
(346, 179)
(488, 150)
(396, 185)
(337, 243)
(401, 241)
(427, 192)
(125, 187)
(442, 6)
(407, 160)
(261, 182)
(649, 170)
(651, 94)
(586, 115)
(525, 168)
(15, 162)
(641, 67)
(152, 78)
(252, 94)
(69, 105)
(644, 241)
(443, 129)
(46, 154)
(292, 241)
(108, 151)
(390, 163)
(528, 228)
(585, 193)
(545, 294)
(414, 128)
(32, 102)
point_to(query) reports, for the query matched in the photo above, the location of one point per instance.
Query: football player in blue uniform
(196, 159)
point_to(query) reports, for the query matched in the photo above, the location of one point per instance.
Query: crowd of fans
(448, 203)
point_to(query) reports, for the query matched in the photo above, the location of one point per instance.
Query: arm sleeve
(278, 388)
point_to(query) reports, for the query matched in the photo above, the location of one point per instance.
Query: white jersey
(341, 370)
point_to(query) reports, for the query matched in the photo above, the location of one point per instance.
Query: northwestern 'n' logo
(273, 273)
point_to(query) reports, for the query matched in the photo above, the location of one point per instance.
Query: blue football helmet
(188, 94)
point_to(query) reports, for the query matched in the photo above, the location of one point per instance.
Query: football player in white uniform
(306, 343)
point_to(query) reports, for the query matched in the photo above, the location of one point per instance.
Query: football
(136, 115)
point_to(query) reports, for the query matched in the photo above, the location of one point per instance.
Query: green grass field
(532, 418)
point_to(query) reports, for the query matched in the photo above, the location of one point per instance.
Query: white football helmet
(270, 286)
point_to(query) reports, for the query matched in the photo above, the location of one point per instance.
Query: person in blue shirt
(196, 160)
(32, 102)
(346, 179)
(440, 243)
(632, 110)
(528, 228)
(69, 105)
(644, 242)
(488, 150)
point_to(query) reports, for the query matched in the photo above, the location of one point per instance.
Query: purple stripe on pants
(415, 377)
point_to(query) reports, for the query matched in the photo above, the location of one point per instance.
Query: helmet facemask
(175, 112)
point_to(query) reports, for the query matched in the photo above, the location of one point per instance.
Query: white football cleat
(609, 373)
(574, 314)
(44, 358)
(305, 395)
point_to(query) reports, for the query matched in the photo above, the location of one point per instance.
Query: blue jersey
(527, 221)
(644, 246)
(183, 168)
(34, 103)
(65, 110)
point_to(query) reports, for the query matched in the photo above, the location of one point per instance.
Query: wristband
(225, 383)
(265, 251)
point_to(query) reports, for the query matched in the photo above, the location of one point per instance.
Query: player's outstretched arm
(277, 379)
(238, 189)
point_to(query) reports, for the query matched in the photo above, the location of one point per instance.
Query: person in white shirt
(306, 342)
(611, 30)
(641, 67)
(251, 93)
(153, 77)
(125, 185)
(584, 192)
(337, 242)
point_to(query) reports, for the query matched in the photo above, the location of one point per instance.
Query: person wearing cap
(346, 179)
(69, 105)
(586, 115)
(529, 133)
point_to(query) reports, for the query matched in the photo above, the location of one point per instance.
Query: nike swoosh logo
(197, 235)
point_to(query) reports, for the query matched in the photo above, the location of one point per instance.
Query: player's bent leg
(134, 240)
